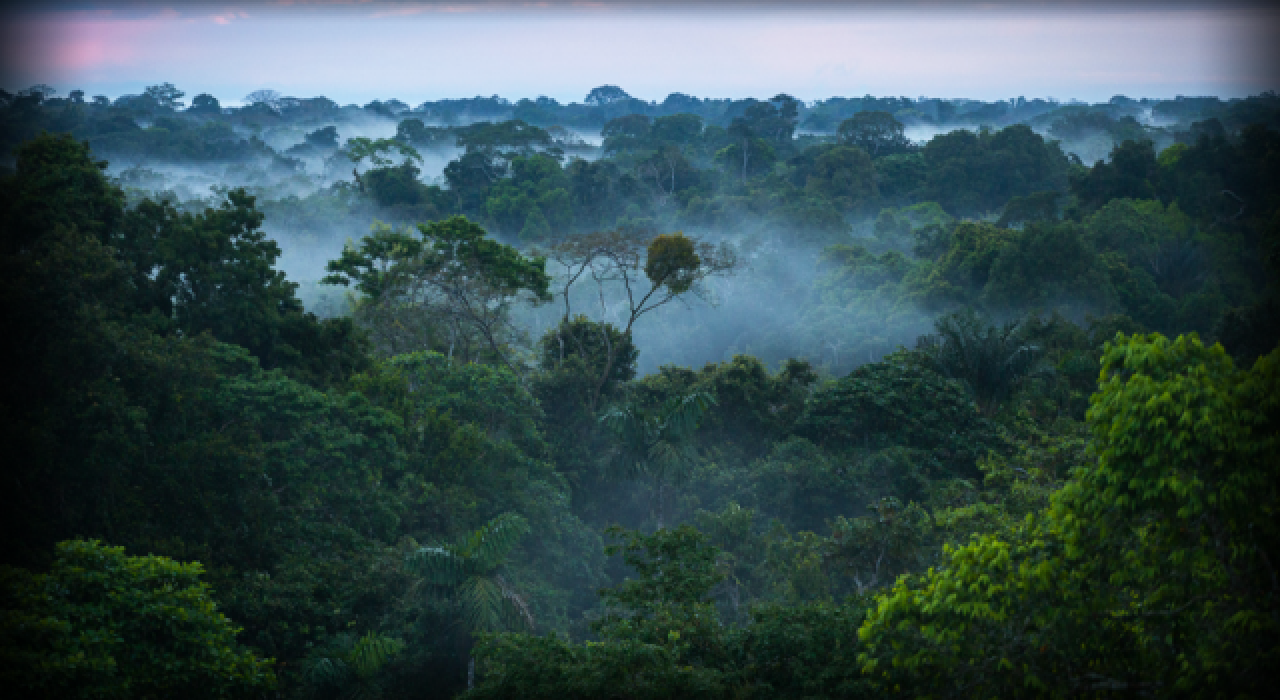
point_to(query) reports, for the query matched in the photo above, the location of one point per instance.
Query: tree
(589, 342)
(629, 132)
(535, 227)
(605, 95)
(213, 270)
(102, 624)
(660, 637)
(991, 360)
(165, 95)
(323, 138)
(899, 402)
(348, 667)
(468, 572)
(884, 544)
(877, 133)
(505, 140)
(972, 174)
(681, 129)
(451, 278)
(204, 103)
(740, 132)
(657, 445)
(270, 98)
(1040, 206)
(377, 152)
(1149, 572)
(40, 91)
(669, 171)
(413, 131)
(844, 175)
(673, 265)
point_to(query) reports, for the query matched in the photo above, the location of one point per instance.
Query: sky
(353, 52)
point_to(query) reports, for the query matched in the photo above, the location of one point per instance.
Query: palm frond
(438, 565)
(671, 461)
(372, 653)
(634, 431)
(517, 606)
(482, 602)
(681, 416)
(489, 546)
(990, 359)
(325, 671)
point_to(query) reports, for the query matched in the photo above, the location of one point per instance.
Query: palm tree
(992, 360)
(350, 668)
(467, 574)
(656, 445)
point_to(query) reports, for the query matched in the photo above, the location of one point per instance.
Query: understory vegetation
(959, 418)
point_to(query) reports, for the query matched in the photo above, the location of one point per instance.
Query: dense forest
(625, 399)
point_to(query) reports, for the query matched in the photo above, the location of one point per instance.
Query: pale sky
(353, 52)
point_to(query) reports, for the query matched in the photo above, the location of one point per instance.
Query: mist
(770, 308)
(659, 350)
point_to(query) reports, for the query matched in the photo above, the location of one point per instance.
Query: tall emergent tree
(650, 272)
(450, 281)
(378, 152)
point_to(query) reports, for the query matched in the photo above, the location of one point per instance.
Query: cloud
(229, 17)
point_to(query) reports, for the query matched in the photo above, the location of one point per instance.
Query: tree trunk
(471, 671)
(662, 490)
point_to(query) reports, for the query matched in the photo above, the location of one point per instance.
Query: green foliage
(880, 546)
(875, 132)
(581, 340)
(101, 624)
(991, 360)
(58, 185)
(1147, 571)
(754, 407)
(661, 638)
(970, 173)
(845, 176)
(899, 402)
(1132, 174)
(468, 571)
(169, 394)
(1040, 206)
(657, 445)
(672, 261)
(675, 567)
(377, 151)
(453, 286)
(503, 139)
(349, 668)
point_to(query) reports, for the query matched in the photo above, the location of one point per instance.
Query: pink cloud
(229, 17)
(73, 43)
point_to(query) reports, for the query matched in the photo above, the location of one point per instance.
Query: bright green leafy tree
(102, 624)
(1150, 572)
